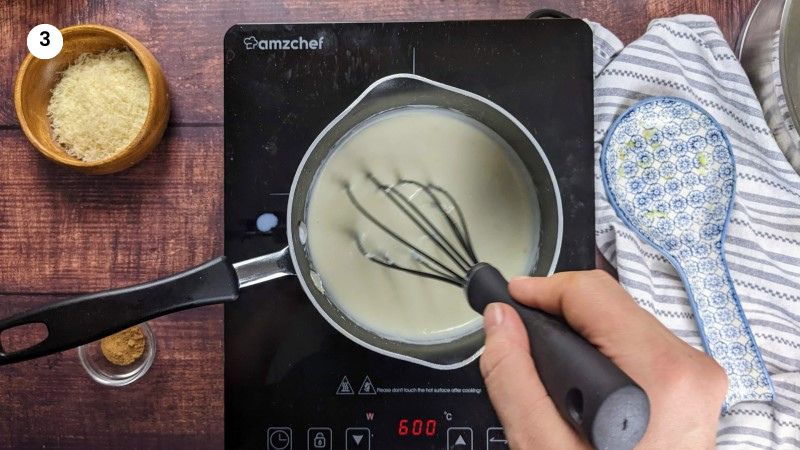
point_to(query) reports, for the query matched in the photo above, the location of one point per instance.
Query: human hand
(686, 387)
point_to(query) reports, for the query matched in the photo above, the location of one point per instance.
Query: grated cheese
(99, 105)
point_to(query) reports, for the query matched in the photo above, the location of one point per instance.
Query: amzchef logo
(299, 43)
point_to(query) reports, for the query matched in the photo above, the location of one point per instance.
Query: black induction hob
(291, 380)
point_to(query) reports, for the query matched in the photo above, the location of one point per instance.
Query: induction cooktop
(292, 381)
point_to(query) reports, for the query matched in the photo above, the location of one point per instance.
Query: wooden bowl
(37, 77)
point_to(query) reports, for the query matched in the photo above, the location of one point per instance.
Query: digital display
(417, 427)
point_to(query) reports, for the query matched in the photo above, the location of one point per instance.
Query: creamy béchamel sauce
(429, 145)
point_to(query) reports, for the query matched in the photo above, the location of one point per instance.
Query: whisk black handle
(597, 398)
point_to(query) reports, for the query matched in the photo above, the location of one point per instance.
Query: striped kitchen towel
(688, 57)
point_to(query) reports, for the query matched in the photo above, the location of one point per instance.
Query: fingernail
(492, 316)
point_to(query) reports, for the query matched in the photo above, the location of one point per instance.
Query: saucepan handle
(597, 398)
(80, 320)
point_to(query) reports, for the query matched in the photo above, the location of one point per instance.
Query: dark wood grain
(62, 232)
(65, 232)
(186, 35)
(52, 403)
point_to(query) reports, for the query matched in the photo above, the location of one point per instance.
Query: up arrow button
(459, 438)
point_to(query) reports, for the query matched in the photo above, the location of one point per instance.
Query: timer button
(459, 438)
(279, 438)
(357, 438)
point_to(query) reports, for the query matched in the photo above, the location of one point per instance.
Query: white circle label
(45, 41)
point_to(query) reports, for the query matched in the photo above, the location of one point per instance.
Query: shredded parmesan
(99, 105)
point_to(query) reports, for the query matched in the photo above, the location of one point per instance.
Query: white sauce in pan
(428, 145)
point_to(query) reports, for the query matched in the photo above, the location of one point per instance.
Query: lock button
(320, 439)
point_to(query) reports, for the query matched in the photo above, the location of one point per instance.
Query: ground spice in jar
(125, 347)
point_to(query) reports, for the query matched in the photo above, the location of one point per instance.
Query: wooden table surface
(63, 233)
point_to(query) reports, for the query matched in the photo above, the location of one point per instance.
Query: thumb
(529, 417)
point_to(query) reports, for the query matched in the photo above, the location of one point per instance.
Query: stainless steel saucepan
(769, 50)
(84, 319)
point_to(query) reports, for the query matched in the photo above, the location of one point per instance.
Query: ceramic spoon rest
(669, 172)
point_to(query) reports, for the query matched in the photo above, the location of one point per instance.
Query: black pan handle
(85, 319)
(597, 398)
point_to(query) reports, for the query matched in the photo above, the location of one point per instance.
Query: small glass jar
(101, 370)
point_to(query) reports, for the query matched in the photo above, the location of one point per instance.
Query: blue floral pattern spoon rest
(669, 172)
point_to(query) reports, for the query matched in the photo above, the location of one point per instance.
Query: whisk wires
(459, 255)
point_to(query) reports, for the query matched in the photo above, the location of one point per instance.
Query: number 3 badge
(45, 41)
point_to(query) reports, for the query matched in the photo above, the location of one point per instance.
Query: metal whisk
(460, 254)
(598, 399)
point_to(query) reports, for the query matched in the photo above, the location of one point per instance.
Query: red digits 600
(419, 427)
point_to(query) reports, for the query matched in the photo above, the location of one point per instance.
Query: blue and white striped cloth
(687, 56)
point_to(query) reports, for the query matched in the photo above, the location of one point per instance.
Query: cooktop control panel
(339, 396)
(291, 380)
